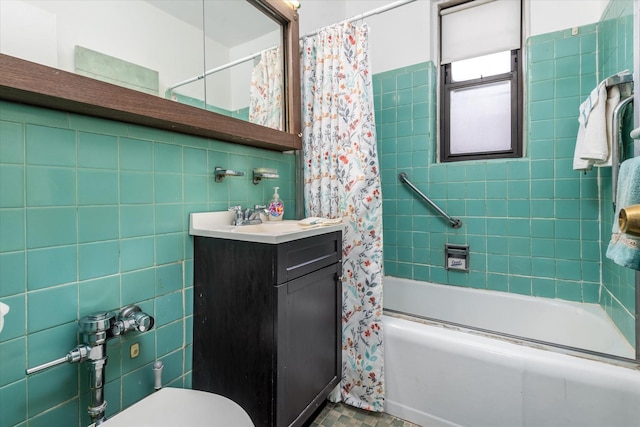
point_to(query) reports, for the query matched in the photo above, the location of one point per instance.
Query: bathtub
(444, 375)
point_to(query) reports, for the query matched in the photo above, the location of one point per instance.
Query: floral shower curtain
(265, 102)
(342, 181)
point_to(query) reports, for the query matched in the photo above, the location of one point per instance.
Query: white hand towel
(587, 105)
(591, 143)
(613, 99)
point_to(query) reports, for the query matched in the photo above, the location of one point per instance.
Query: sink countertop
(218, 224)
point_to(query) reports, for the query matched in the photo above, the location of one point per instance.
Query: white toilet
(170, 407)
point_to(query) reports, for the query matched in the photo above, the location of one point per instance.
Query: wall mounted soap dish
(219, 173)
(264, 173)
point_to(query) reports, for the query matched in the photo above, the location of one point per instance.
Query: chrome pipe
(455, 223)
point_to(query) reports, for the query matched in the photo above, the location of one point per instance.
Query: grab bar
(455, 223)
(616, 145)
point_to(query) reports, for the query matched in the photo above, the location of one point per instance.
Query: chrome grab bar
(455, 223)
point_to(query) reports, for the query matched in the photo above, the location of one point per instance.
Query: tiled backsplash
(94, 215)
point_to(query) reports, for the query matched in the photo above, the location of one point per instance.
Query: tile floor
(339, 415)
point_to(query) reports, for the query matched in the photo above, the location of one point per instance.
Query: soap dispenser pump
(276, 207)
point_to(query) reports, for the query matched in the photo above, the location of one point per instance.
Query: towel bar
(616, 145)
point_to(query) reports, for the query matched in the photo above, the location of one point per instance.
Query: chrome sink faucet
(95, 330)
(248, 216)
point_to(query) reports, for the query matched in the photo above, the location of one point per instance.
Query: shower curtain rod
(214, 70)
(364, 15)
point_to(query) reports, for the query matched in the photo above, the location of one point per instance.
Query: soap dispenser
(276, 207)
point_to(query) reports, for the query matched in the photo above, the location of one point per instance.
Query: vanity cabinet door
(309, 335)
(267, 325)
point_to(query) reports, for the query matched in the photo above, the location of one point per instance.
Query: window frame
(446, 86)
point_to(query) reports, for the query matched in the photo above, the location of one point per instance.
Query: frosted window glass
(483, 66)
(481, 118)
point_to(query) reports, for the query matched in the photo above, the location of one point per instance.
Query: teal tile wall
(93, 217)
(532, 224)
(615, 39)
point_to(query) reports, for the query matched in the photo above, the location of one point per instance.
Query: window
(481, 84)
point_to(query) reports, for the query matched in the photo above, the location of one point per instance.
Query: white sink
(171, 407)
(218, 224)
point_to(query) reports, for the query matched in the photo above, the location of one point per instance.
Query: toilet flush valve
(132, 318)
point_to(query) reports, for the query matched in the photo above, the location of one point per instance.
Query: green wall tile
(47, 186)
(170, 338)
(138, 385)
(138, 286)
(97, 187)
(168, 248)
(97, 151)
(97, 223)
(136, 220)
(12, 147)
(545, 288)
(167, 158)
(98, 259)
(168, 278)
(99, 295)
(136, 154)
(51, 307)
(497, 282)
(11, 186)
(51, 266)
(14, 403)
(520, 285)
(542, 90)
(50, 146)
(136, 253)
(12, 361)
(194, 161)
(568, 86)
(195, 188)
(51, 226)
(168, 218)
(542, 189)
(136, 187)
(64, 415)
(567, 290)
(12, 273)
(169, 308)
(168, 188)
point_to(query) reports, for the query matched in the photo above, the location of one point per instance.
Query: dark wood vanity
(267, 324)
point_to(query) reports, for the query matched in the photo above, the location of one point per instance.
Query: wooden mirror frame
(35, 84)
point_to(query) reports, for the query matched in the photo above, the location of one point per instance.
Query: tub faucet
(95, 329)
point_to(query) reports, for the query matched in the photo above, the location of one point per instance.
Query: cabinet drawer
(300, 257)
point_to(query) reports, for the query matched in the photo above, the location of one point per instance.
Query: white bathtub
(444, 376)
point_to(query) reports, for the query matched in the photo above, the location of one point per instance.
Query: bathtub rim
(517, 340)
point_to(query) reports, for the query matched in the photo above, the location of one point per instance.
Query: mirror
(151, 46)
(242, 63)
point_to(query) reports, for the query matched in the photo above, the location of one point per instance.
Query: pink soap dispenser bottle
(276, 207)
